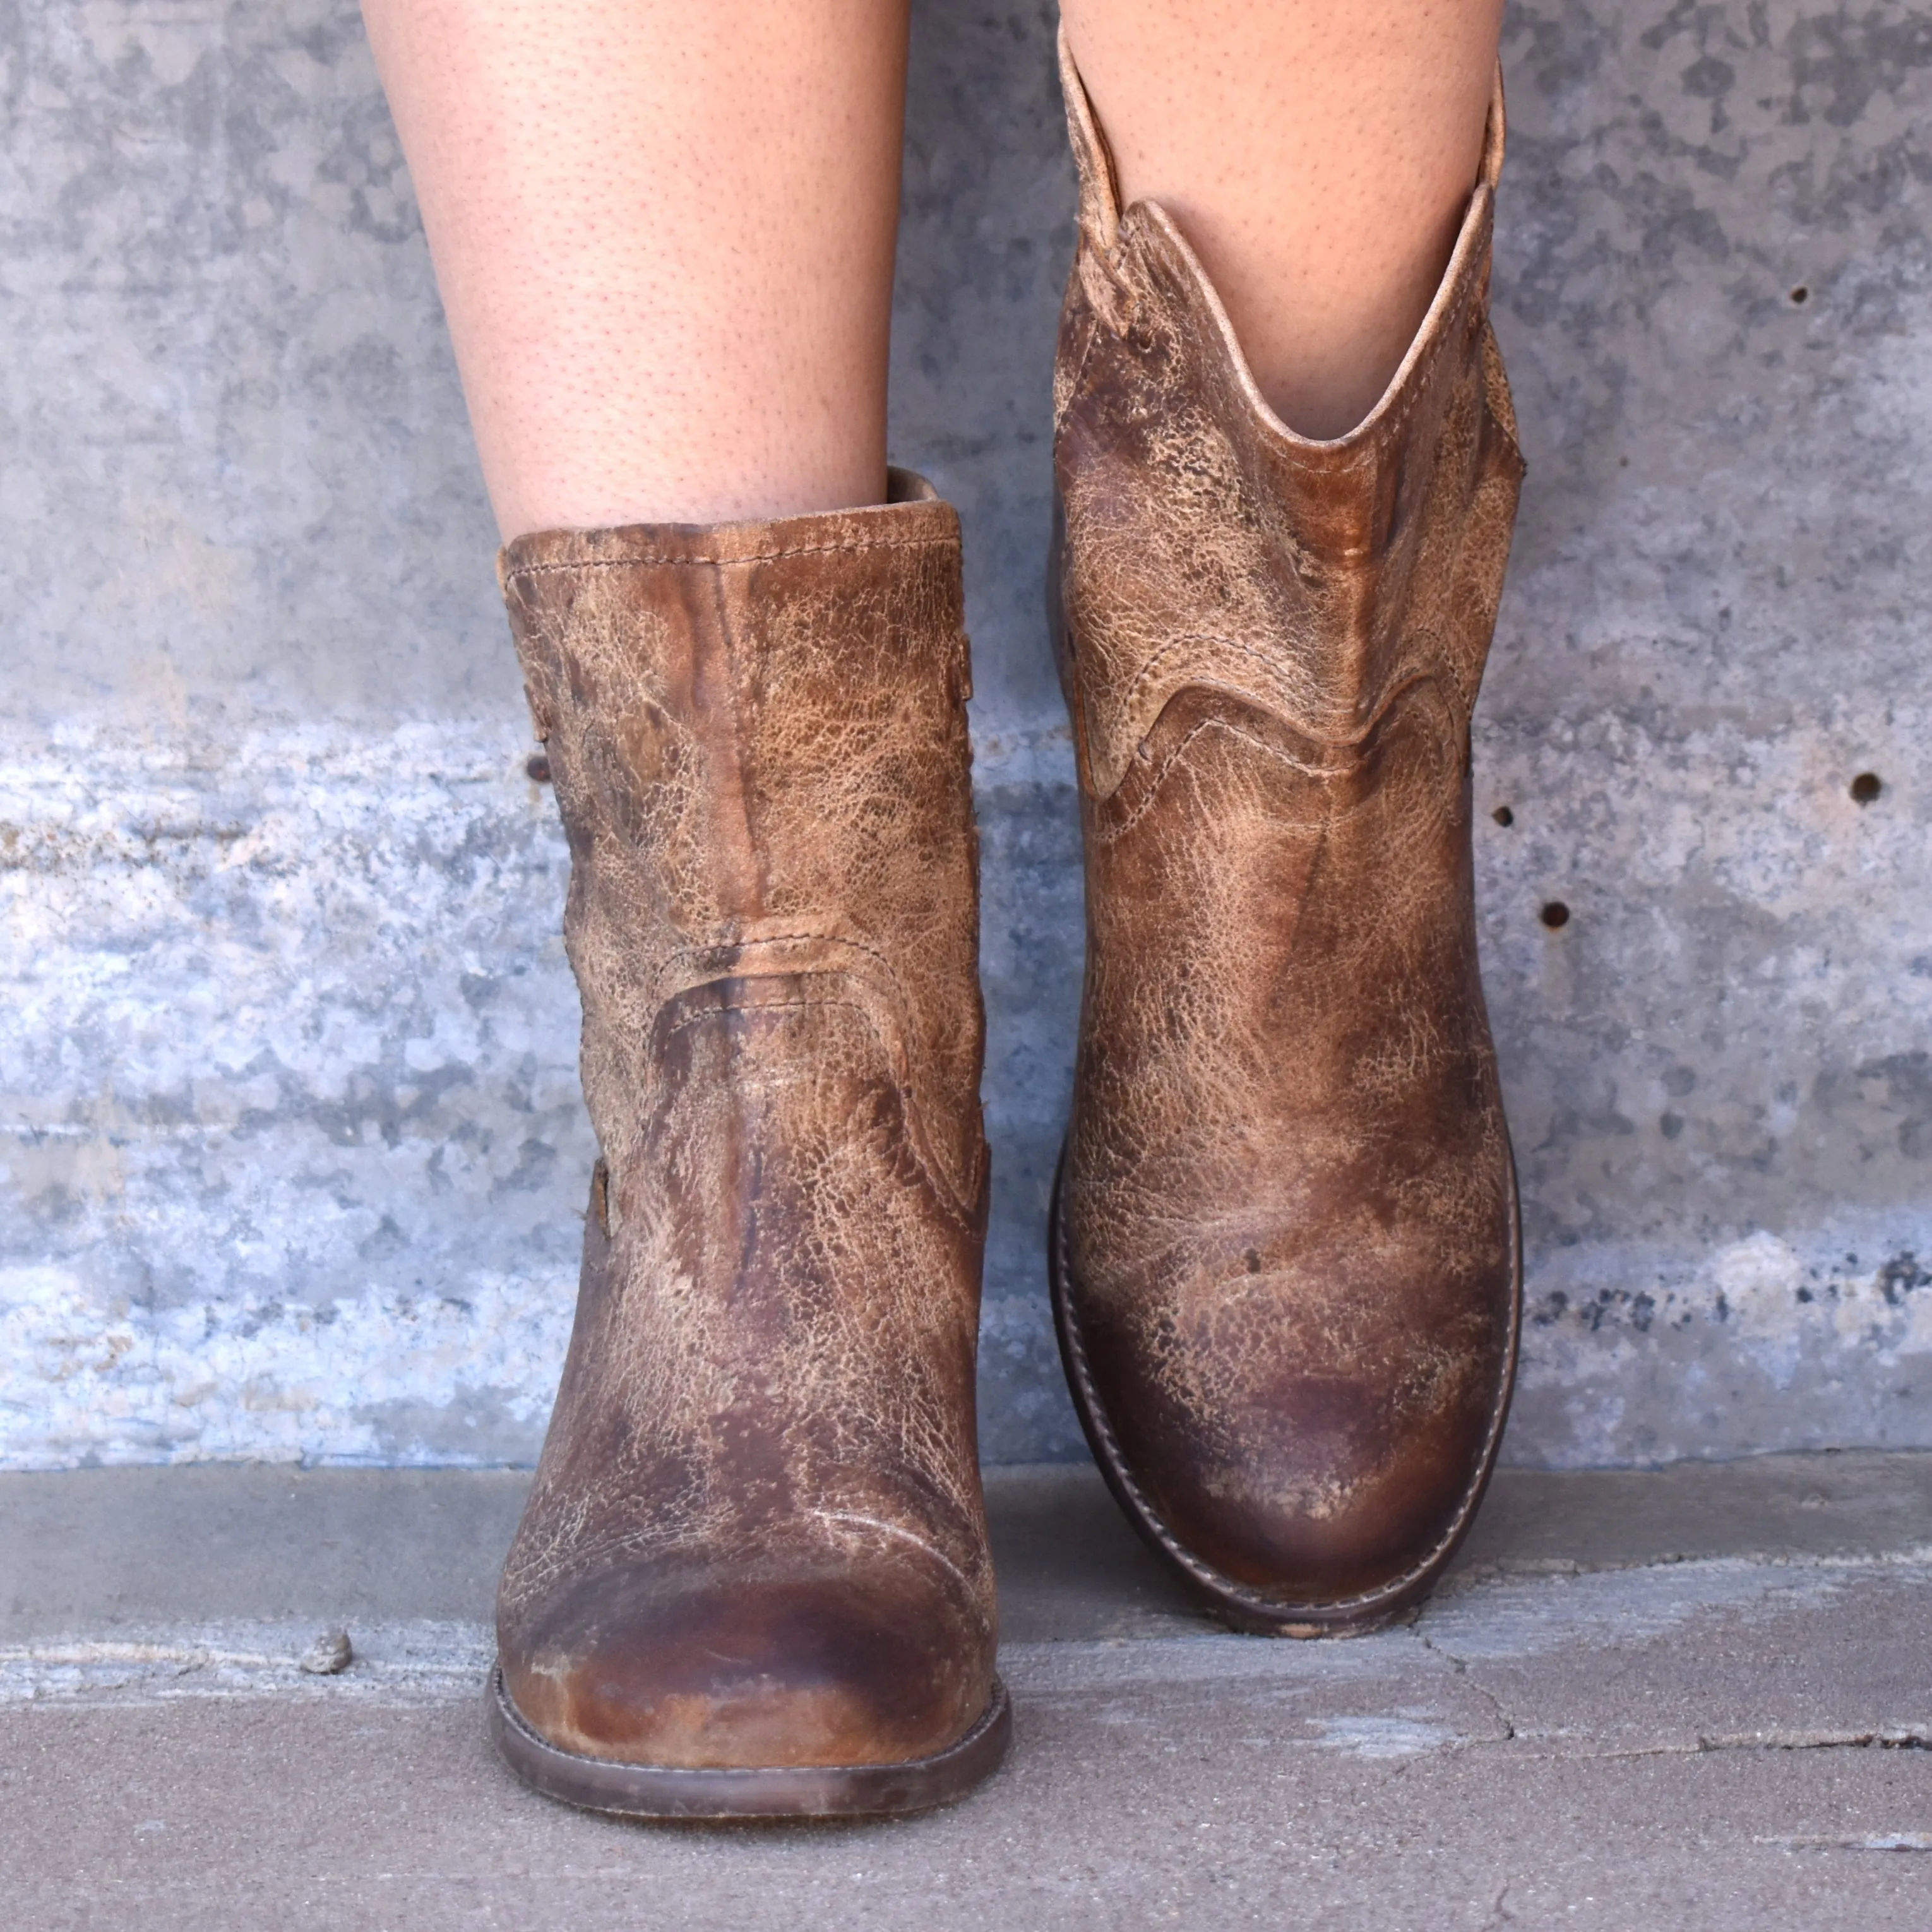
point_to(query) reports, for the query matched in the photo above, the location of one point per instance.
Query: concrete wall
(291, 1157)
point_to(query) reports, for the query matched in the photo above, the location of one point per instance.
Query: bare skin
(1317, 154)
(664, 236)
(664, 232)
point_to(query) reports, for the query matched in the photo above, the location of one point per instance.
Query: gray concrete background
(291, 1160)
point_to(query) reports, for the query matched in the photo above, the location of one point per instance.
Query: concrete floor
(1695, 1698)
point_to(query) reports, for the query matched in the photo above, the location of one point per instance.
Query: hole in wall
(1503, 815)
(1800, 295)
(1556, 915)
(536, 768)
(1866, 787)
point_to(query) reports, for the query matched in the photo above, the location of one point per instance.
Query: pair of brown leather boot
(753, 1577)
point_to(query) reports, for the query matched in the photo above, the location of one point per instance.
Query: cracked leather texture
(1285, 1238)
(756, 1537)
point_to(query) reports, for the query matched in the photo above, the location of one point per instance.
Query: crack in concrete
(1460, 1667)
(1536, 1569)
(1868, 1841)
(1901, 1737)
(1912, 1738)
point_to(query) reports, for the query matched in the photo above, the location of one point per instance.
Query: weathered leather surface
(757, 1536)
(1286, 1225)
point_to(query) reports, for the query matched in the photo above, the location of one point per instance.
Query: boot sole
(780, 1791)
(1235, 1603)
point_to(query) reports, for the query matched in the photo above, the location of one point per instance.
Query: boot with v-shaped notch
(1284, 1243)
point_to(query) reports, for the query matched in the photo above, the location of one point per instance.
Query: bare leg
(1317, 154)
(664, 236)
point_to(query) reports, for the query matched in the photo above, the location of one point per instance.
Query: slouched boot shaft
(753, 1573)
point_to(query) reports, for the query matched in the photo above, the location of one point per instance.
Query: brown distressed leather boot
(1284, 1245)
(753, 1577)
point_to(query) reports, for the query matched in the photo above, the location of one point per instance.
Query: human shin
(752, 1578)
(1284, 1245)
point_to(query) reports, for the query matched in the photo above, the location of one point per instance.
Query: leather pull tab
(1100, 183)
(1099, 200)
(1495, 136)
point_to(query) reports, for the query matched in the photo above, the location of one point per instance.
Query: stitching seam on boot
(658, 561)
(942, 1188)
(919, 1070)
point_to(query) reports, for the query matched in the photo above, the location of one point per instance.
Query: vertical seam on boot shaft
(1093, 330)
(715, 723)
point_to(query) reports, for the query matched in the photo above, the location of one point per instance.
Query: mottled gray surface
(1156, 1804)
(97, 1554)
(1712, 288)
(1694, 1698)
(290, 1159)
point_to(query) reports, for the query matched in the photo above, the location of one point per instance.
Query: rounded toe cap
(1303, 1460)
(1308, 1519)
(690, 1667)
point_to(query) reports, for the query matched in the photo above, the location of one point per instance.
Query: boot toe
(643, 1665)
(1307, 1452)
(1302, 1514)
